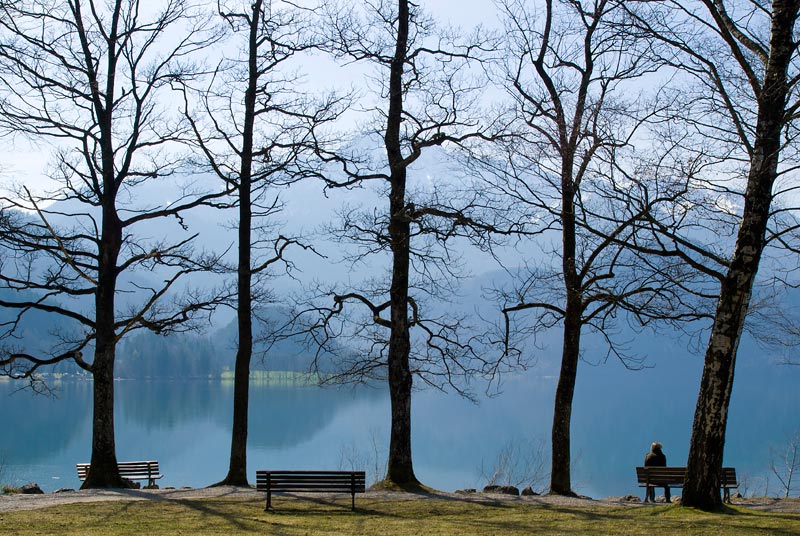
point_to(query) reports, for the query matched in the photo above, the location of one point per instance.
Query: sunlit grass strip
(384, 517)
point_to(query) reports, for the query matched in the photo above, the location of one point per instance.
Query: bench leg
(353, 489)
(726, 495)
(269, 501)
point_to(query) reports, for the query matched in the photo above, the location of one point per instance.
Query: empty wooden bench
(351, 482)
(674, 477)
(147, 470)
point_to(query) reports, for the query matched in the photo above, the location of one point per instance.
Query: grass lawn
(383, 517)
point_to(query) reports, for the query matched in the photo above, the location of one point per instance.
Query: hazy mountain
(307, 208)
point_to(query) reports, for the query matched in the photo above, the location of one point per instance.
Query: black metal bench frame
(674, 477)
(144, 470)
(351, 482)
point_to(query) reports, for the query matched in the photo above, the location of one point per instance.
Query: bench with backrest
(147, 470)
(351, 482)
(675, 476)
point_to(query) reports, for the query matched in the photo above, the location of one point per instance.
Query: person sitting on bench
(655, 458)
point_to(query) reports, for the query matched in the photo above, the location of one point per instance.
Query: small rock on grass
(31, 489)
(505, 490)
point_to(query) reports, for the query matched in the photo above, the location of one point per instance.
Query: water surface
(185, 425)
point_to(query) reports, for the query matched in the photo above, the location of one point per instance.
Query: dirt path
(31, 502)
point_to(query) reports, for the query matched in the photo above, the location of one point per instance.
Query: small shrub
(9, 490)
(520, 463)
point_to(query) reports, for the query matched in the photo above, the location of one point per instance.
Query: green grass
(383, 518)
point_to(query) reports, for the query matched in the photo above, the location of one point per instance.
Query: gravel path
(31, 502)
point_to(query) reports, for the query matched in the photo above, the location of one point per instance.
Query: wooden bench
(675, 476)
(131, 470)
(351, 482)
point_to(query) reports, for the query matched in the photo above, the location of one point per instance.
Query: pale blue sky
(24, 160)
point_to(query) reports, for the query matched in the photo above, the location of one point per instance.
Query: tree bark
(103, 471)
(701, 488)
(560, 479)
(237, 468)
(400, 468)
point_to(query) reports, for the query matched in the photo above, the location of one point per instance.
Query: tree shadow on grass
(500, 515)
(745, 512)
(336, 503)
(203, 506)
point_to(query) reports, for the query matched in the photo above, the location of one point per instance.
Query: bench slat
(144, 463)
(299, 478)
(348, 480)
(275, 485)
(321, 488)
(359, 487)
(306, 472)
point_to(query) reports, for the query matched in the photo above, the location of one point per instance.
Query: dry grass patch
(305, 516)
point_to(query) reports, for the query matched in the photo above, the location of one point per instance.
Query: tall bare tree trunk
(103, 471)
(560, 479)
(701, 488)
(400, 469)
(237, 469)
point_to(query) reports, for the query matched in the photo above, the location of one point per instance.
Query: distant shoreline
(257, 377)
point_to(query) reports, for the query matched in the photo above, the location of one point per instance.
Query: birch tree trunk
(701, 489)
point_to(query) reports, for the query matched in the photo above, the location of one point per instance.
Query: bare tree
(422, 94)
(94, 77)
(784, 464)
(353, 457)
(3, 475)
(518, 463)
(255, 131)
(574, 77)
(740, 66)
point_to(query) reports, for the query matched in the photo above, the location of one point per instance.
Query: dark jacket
(655, 458)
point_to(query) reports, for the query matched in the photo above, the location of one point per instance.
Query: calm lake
(185, 425)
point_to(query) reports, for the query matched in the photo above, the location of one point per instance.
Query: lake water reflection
(185, 425)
